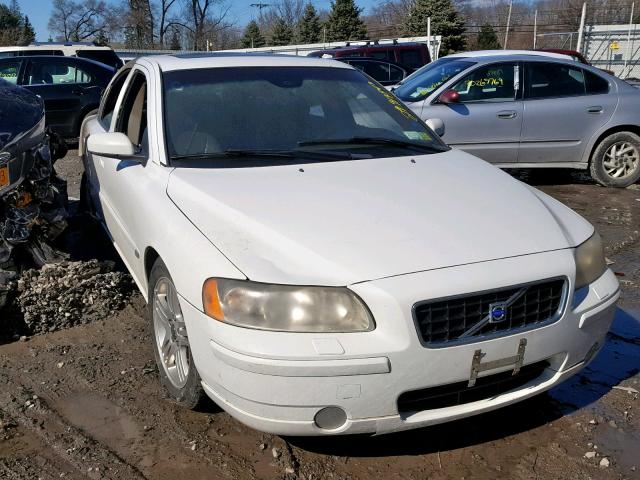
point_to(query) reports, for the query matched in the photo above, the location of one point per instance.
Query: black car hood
(21, 118)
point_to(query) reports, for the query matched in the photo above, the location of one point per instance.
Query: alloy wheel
(621, 159)
(170, 333)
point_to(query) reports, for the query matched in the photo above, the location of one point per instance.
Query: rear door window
(548, 80)
(9, 70)
(58, 72)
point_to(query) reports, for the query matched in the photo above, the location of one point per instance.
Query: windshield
(292, 110)
(429, 78)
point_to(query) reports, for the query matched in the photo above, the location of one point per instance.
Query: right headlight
(285, 307)
(590, 261)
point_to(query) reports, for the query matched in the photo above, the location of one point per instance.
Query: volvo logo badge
(497, 312)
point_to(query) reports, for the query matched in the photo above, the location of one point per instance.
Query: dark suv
(410, 55)
(70, 87)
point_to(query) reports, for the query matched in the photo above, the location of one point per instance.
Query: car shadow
(618, 360)
(552, 176)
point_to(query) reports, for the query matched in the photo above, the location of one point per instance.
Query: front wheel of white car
(171, 347)
(616, 160)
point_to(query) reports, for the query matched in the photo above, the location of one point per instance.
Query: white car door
(122, 181)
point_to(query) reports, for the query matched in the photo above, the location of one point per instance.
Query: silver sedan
(530, 110)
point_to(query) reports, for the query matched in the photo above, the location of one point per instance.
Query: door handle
(507, 114)
(595, 109)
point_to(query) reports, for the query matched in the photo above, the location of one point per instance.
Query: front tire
(171, 347)
(616, 160)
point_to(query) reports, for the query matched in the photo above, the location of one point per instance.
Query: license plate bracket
(478, 366)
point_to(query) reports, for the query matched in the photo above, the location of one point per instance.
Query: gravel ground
(85, 402)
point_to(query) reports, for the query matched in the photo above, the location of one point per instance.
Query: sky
(39, 11)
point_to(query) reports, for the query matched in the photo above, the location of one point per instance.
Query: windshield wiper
(248, 153)
(372, 141)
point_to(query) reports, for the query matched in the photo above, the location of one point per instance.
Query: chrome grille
(470, 317)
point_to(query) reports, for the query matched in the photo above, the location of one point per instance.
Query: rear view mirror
(436, 125)
(449, 96)
(111, 144)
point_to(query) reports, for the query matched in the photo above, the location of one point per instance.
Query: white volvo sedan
(317, 261)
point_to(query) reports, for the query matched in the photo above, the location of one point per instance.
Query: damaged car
(318, 262)
(33, 199)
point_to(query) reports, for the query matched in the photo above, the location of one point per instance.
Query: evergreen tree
(175, 40)
(487, 39)
(252, 37)
(445, 21)
(28, 33)
(282, 33)
(344, 22)
(10, 26)
(309, 28)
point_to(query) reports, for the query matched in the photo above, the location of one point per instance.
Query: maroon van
(410, 55)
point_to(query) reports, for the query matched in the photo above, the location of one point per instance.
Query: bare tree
(165, 24)
(291, 11)
(203, 19)
(76, 21)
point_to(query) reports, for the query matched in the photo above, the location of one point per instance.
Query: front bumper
(278, 381)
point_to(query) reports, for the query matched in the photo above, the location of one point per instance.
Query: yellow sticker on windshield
(393, 100)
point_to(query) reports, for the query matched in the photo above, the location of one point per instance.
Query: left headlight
(285, 307)
(590, 261)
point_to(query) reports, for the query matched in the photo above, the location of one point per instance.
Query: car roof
(65, 48)
(62, 57)
(168, 63)
(509, 54)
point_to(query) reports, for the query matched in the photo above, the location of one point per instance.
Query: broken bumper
(278, 381)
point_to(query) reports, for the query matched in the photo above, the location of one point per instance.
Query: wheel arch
(150, 257)
(610, 131)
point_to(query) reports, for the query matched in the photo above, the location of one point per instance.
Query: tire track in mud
(71, 444)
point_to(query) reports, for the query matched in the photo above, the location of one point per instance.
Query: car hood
(339, 223)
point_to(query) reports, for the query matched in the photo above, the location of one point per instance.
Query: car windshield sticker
(422, 91)
(418, 136)
(393, 100)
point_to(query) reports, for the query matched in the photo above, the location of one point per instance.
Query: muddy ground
(86, 402)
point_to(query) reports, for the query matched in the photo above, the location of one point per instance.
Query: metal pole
(535, 29)
(628, 55)
(429, 37)
(582, 18)
(506, 34)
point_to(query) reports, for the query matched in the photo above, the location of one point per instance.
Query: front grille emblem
(497, 312)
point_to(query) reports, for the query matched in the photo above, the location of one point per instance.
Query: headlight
(285, 308)
(590, 262)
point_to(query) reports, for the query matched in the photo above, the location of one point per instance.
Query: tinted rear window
(595, 83)
(410, 58)
(108, 57)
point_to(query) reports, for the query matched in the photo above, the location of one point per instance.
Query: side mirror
(436, 125)
(449, 96)
(112, 144)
